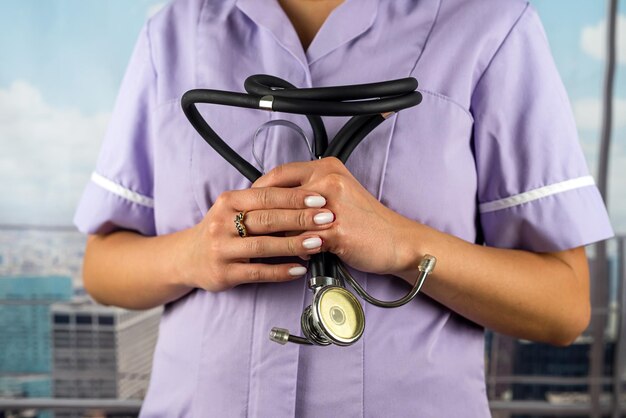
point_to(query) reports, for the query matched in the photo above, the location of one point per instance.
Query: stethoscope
(335, 315)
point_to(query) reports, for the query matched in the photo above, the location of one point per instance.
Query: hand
(365, 234)
(214, 257)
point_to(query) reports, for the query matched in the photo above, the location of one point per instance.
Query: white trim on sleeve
(535, 194)
(121, 191)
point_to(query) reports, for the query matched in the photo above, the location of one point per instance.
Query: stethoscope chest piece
(334, 317)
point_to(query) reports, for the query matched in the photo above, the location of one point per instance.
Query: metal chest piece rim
(334, 317)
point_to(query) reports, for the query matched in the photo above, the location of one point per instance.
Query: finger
(269, 246)
(286, 175)
(272, 198)
(258, 272)
(298, 173)
(263, 222)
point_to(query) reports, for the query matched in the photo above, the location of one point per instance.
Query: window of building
(105, 320)
(61, 319)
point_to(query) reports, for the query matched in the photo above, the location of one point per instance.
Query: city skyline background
(62, 68)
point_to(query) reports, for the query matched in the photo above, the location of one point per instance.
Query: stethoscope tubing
(263, 85)
(367, 104)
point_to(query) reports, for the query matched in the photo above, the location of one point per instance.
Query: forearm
(132, 271)
(541, 297)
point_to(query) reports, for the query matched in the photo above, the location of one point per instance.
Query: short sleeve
(119, 195)
(534, 189)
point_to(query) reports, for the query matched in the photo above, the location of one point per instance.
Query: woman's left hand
(509, 291)
(365, 234)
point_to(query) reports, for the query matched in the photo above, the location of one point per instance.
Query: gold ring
(241, 227)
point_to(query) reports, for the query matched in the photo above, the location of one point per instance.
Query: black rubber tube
(188, 102)
(371, 99)
(266, 85)
(345, 133)
(366, 103)
(358, 136)
(262, 85)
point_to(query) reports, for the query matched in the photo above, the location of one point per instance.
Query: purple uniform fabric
(491, 155)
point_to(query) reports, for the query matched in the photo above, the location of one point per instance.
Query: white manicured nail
(311, 243)
(314, 201)
(323, 218)
(297, 271)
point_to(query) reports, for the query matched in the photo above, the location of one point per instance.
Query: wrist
(413, 246)
(180, 271)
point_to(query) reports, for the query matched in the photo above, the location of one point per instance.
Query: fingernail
(314, 201)
(297, 271)
(323, 218)
(311, 243)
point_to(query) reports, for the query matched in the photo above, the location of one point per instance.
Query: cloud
(588, 113)
(47, 156)
(593, 42)
(154, 9)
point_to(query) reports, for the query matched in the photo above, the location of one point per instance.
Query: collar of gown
(356, 17)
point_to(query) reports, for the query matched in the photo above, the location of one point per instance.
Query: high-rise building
(25, 334)
(25, 386)
(25, 321)
(101, 352)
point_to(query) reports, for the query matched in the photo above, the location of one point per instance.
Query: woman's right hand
(214, 257)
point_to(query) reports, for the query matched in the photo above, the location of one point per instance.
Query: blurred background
(61, 63)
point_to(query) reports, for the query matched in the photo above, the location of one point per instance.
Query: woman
(485, 174)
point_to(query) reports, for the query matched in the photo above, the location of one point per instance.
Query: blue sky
(74, 51)
(62, 62)
(562, 20)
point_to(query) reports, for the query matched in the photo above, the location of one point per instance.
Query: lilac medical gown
(490, 155)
